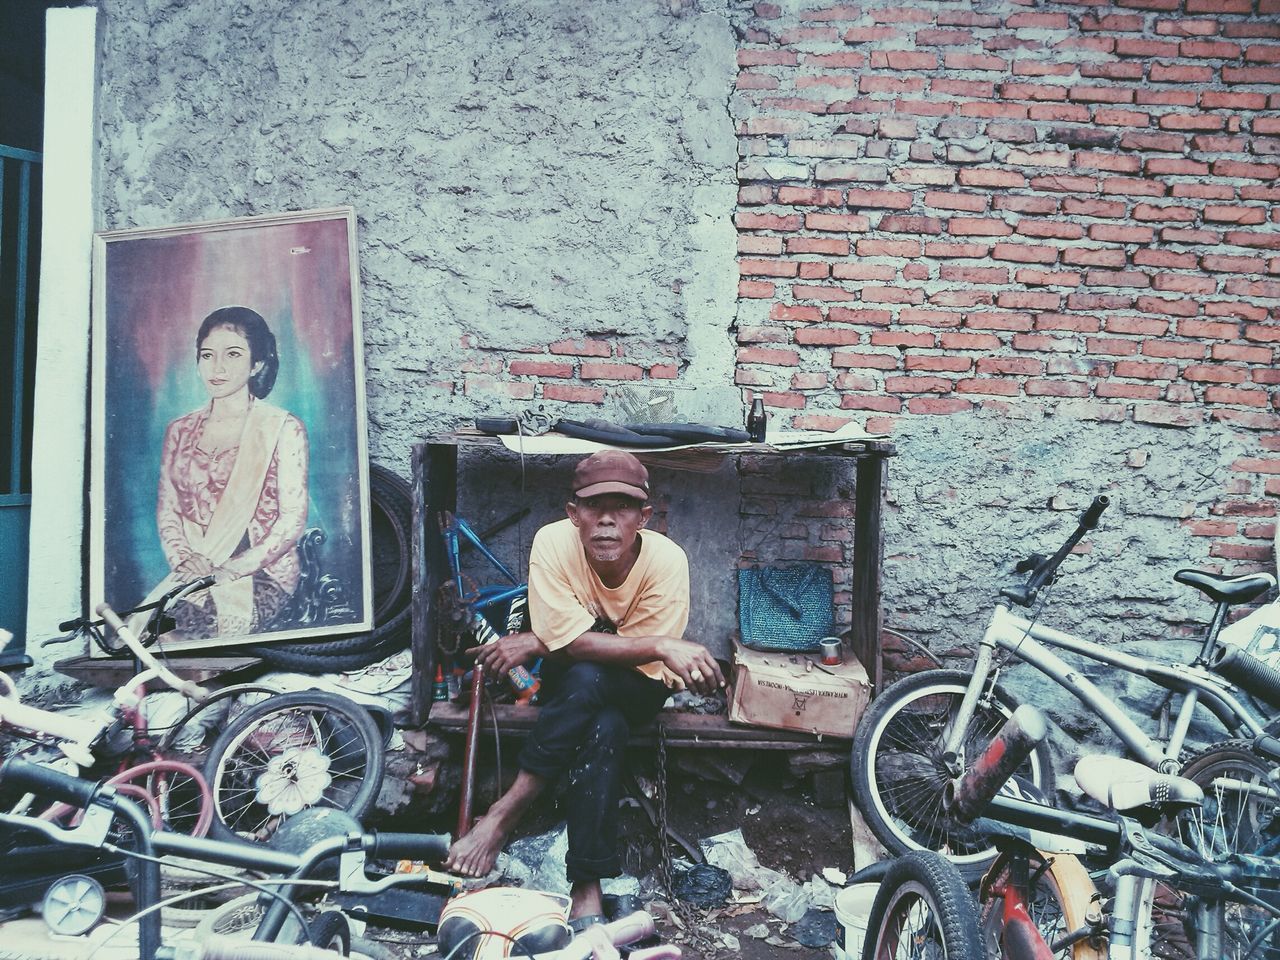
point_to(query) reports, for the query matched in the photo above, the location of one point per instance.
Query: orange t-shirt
(566, 597)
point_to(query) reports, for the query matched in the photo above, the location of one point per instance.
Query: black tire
(270, 737)
(1231, 820)
(330, 931)
(391, 520)
(897, 771)
(923, 909)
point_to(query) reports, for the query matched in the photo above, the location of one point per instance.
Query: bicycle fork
(953, 749)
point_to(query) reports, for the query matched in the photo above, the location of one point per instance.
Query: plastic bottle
(439, 689)
(519, 677)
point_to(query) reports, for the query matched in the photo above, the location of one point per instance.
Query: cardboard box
(796, 691)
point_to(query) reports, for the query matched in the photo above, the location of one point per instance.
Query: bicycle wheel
(922, 911)
(1240, 814)
(330, 931)
(288, 753)
(898, 774)
(1059, 896)
(180, 791)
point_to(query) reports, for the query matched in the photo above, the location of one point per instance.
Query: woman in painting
(233, 485)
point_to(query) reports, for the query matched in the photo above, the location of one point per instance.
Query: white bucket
(853, 906)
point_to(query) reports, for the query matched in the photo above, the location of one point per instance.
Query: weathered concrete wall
(537, 182)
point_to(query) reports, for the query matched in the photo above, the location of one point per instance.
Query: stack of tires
(390, 515)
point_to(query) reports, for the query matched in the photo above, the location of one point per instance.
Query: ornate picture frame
(228, 430)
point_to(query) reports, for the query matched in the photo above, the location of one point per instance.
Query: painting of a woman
(233, 484)
(228, 434)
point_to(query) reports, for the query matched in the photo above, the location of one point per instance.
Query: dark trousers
(586, 717)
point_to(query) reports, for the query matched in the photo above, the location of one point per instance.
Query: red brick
(1094, 302)
(806, 314)
(1133, 47)
(918, 385)
(828, 245)
(755, 289)
(1165, 213)
(970, 202)
(858, 270)
(814, 270)
(1236, 397)
(872, 318)
(1013, 366)
(581, 348)
(1044, 343)
(1174, 308)
(881, 404)
(1137, 325)
(756, 81)
(1139, 370)
(1218, 264)
(540, 368)
(1165, 259)
(1091, 207)
(1210, 528)
(888, 248)
(1028, 300)
(1121, 118)
(990, 320)
(837, 222)
(768, 268)
(992, 178)
(1113, 389)
(1262, 334)
(1111, 348)
(990, 386)
(963, 274)
(807, 292)
(1177, 166)
(1114, 233)
(1170, 416)
(1062, 183)
(969, 341)
(937, 363)
(942, 251)
(572, 394)
(1021, 204)
(824, 337)
(1042, 278)
(1094, 257)
(1101, 94)
(1065, 112)
(1245, 171)
(955, 60)
(1213, 373)
(855, 381)
(1181, 283)
(611, 371)
(1056, 388)
(938, 405)
(1180, 73)
(767, 221)
(871, 361)
(917, 316)
(910, 224)
(762, 335)
(1031, 91)
(1112, 163)
(1025, 253)
(664, 371)
(1166, 349)
(754, 58)
(892, 295)
(885, 199)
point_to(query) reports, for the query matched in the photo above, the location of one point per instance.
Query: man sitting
(608, 605)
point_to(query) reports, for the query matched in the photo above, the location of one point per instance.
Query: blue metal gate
(19, 266)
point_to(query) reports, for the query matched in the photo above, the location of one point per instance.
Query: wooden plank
(868, 556)
(683, 729)
(435, 489)
(102, 672)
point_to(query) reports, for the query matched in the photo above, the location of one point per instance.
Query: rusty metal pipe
(966, 796)
(469, 753)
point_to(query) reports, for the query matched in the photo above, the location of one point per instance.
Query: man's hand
(692, 663)
(497, 657)
(194, 567)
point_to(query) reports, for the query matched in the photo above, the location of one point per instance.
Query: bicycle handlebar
(1024, 595)
(181, 590)
(32, 778)
(408, 846)
(187, 688)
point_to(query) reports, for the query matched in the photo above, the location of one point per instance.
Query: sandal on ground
(581, 923)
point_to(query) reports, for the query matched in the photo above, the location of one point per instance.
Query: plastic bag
(1258, 633)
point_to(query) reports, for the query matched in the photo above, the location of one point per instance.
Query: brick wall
(1057, 209)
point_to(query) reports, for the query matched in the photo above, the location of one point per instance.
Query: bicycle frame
(1029, 642)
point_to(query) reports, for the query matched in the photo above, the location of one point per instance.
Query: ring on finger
(695, 674)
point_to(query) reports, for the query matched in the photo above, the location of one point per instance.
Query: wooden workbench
(435, 489)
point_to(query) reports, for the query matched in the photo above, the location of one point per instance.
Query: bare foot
(475, 853)
(585, 900)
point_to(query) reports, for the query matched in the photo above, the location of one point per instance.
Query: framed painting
(228, 427)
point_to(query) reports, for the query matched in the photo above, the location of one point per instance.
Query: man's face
(608, 524)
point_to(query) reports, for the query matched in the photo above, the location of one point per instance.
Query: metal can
(831, 653)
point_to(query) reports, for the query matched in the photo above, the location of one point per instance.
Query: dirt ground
(782, 821)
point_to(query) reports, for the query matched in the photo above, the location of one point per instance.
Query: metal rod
(19, 326)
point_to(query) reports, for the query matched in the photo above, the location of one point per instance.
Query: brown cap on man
(611, 471)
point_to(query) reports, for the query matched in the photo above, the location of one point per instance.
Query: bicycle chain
(690, 916)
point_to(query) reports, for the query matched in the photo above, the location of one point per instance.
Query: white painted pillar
(58, 466)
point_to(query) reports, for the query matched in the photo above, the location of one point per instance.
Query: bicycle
(921, 731)
(353, 849)
(287, 752)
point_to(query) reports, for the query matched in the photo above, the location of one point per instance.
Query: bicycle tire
(391, 516)
(1059, 897)
(922, 902)
(180, 790)
(168, 744)
(293, 751)
(897, 772)
(1230, 821)
(330, 931)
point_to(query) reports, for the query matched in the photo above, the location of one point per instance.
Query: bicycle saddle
(1127, 787)
(1227, 589)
